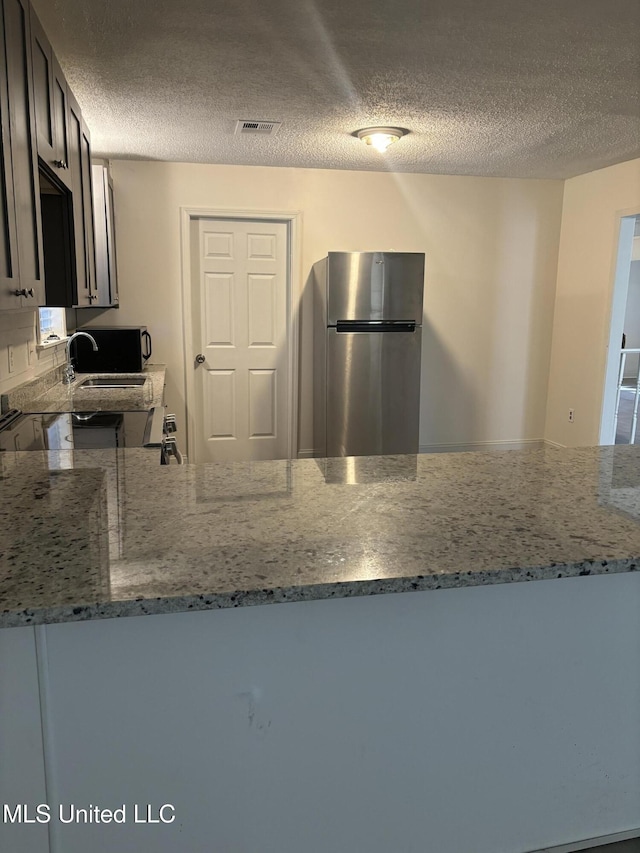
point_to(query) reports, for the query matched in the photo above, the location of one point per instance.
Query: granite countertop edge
(91, 611)
(48, 394)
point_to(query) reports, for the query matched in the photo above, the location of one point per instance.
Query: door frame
(293, 221)
(625, 228)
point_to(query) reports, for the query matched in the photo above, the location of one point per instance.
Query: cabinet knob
(60, 164)
(93, 296)
(30, 292)
(200, 359)
(24, 292)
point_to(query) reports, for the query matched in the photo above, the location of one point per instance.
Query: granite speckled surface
(211, 536)
(23, 393)
(49, 394)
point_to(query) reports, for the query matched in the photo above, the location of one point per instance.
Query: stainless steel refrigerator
(367, 352)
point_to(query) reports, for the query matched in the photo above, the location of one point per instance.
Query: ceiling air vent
(264, 128)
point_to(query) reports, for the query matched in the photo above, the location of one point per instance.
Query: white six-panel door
(241, 299)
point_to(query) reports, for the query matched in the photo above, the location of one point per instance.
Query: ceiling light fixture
(380, 137)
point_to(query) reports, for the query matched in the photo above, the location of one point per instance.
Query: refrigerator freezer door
(373, 392)
(375, 286)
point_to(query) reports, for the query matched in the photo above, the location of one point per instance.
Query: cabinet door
(50, 100)
(42, 91)
(87, 208)
(9, 273)
(23, 150)
(60, 124)
(98, 179)
(106, 275)
(80, 237)
(111, 245)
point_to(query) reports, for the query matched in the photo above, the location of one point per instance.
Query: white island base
(497, 719)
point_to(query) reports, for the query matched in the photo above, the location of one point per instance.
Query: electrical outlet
(571, 416)
(11, 361)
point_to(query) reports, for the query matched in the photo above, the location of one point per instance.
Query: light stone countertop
(212, 536)
(48, 393)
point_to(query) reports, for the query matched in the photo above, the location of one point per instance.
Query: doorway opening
(621, 399)
(240, 289)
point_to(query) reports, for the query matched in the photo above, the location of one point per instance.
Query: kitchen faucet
(69, 372)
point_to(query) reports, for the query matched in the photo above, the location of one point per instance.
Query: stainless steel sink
(114, 382)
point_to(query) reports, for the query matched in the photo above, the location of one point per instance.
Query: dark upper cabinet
(9, 271)
(42, 89)
(50, 100)
(67, 224)
(85, 295)
(87, 207)
(106, 269)
(25, 268)
(46, 195)
(60, 122)
(114, 292)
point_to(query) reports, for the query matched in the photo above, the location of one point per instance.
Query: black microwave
(124, 349)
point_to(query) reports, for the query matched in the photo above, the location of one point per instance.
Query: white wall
(592, 207)
(491, 252)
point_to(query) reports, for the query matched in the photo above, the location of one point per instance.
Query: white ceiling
(522, 88)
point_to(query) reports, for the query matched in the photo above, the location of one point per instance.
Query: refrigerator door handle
(375, 326)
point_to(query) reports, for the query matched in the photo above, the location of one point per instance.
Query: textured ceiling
(522, 88)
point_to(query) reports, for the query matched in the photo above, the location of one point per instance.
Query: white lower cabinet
(22, 773)
(498, 719)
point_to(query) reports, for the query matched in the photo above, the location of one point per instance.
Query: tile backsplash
(20, 359)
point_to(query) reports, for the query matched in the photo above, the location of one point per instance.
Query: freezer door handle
(375, 326)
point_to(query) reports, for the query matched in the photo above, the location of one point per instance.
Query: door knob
(200, 359)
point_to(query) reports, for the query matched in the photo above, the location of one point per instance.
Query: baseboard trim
(306, 454)
(550, 443)
(588, 843)
(524, 444)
